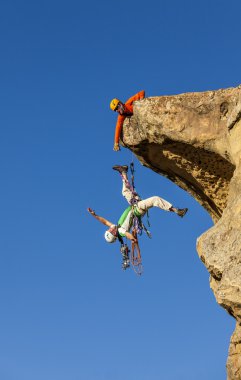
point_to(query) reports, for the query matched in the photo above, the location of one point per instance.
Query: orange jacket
(128, 112)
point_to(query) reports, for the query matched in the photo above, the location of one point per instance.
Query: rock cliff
(194, 139)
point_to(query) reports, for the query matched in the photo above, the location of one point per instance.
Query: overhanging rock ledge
(194, 139)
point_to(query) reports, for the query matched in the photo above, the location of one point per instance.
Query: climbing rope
(136, 260)
(132, 256)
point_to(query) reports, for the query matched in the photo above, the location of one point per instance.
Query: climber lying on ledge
(137, 209)
(124, 110)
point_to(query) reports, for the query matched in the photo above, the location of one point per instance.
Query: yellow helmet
(114, 103)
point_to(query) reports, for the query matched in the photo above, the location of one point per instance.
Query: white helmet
(109, 237)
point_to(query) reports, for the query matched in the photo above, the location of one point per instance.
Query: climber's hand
(116, 147)
(91, 211)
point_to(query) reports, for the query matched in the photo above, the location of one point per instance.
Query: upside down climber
(137, 208)
(124, 110)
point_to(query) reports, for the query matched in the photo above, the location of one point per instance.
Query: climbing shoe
(120, 168)
(181, 212)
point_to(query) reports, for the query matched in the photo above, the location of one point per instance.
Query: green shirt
(126, 220)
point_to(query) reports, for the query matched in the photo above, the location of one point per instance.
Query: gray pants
(145, 204)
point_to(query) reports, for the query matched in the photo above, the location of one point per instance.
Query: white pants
(145, 204)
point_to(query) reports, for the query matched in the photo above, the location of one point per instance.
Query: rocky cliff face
(194, 139)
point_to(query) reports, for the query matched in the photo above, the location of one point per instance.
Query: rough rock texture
(194, 139)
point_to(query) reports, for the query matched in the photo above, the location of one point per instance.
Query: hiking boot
(181, 212)
(121, 169)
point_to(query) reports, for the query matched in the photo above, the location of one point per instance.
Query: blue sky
(67, 309)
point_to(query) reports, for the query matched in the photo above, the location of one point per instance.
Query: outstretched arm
(100, 218)
(118, 128)
(139, 96)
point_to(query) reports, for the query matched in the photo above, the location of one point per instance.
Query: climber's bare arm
(130, 237)
(100, 218)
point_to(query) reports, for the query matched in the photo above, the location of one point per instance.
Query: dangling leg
(127, 190)
(156, 201)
